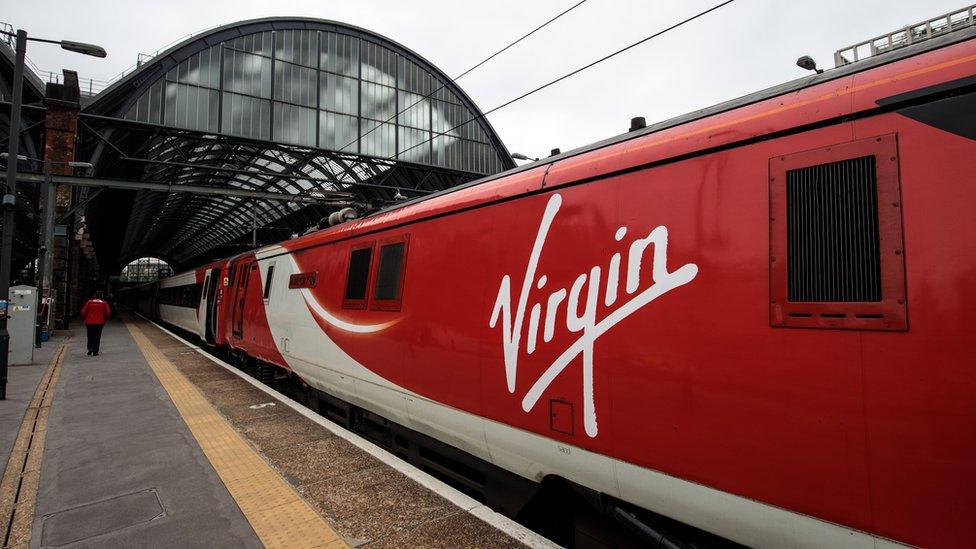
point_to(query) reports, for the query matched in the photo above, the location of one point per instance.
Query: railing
(88, 86)
(142, 58)
(12, 42)
(7, 39)
(92, 86)
(937, 26)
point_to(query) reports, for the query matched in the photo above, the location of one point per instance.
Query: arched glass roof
(145, 269)
(330, 89)
(291, 105)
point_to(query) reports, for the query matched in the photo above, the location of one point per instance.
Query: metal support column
(45, 255)
(9, 199)
(254, 225)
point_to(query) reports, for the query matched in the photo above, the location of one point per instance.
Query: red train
(755, 319)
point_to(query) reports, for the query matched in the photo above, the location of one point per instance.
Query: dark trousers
(94, 336)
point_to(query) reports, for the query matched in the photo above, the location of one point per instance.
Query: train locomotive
(754, 319)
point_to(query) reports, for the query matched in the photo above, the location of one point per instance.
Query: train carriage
(192, 301)
(753, 319)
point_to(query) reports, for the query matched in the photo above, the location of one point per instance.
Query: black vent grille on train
(832, 232)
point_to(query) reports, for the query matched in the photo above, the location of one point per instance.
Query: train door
(211, 311)
(240, 295)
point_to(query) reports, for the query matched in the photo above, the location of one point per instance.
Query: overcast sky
(743, 47)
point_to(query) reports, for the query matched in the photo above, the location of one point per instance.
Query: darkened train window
(267, 282)
(357, 278)
(187, 295)
(836, 257)
(389, 271)
(389, 275)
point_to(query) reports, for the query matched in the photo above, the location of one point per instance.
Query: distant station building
(239, 136)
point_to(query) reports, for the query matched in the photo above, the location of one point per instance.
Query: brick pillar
(62, 102)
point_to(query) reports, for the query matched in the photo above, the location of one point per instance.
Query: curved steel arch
(118, 98)
(190, 230)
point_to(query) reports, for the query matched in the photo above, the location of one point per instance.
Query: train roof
(527, 177)
(749, 99)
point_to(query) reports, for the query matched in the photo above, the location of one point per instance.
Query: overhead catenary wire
(576, 71)
(463, 74)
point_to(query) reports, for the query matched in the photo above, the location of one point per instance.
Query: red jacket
(95, 311)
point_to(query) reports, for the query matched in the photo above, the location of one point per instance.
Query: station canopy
(294, 106)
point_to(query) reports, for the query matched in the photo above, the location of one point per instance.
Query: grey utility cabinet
(22, 311)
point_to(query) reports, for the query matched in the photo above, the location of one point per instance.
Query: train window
(389, 271)
(389, 275)
(267, 282)
(358, 277)
(187, 295)
(836, 256)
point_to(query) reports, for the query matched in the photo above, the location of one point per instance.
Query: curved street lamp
(83, 48)
(520, 156)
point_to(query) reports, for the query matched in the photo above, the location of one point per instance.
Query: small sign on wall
(302, 280)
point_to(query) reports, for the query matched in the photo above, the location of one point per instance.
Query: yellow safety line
(18, 489)
(278, 515)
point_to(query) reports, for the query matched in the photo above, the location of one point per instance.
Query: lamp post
(520, 156)
(10, 194)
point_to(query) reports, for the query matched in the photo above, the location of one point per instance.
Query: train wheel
(248, 365)
(264, 373)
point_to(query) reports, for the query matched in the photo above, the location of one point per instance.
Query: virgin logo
(580, 306)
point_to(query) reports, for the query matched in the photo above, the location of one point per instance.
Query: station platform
(156, 443)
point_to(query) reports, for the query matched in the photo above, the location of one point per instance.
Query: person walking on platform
(95, 312)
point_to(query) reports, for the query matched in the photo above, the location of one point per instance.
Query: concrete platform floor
(121, 468)
(21, 382)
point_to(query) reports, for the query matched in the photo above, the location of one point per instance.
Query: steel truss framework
(214, 219)
(25, 216)
(188, 228)
(31, 143)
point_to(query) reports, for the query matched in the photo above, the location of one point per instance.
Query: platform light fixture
(71, 164)
(807, 62)
(520, 156)
(84, 48)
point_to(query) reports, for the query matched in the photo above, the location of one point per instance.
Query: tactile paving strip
(18, 489)
(278, 514)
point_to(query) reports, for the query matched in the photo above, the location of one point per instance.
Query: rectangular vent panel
(836, 249)
(832, 232)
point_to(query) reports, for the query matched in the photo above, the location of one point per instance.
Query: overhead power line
(523, 37)
(577, 71)
(463, 74)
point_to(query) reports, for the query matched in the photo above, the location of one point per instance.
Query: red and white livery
(756, 320)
